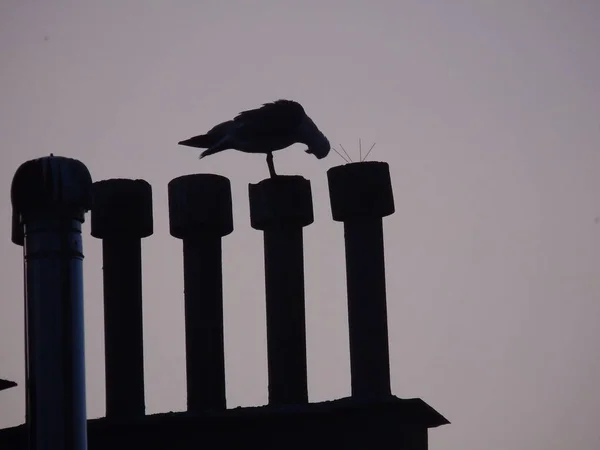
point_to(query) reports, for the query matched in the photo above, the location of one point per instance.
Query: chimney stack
(200, 214)
(361, 195)
(50, 196)
(281, 207)
(121, 217)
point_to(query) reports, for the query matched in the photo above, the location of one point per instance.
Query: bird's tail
(202, 141)
(216, 140)
(211, 151)
(213, 144)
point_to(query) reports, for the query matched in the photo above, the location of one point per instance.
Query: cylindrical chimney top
(200, 203)
(122, 207)
(282, 200)
(360, 190)
(52, 185)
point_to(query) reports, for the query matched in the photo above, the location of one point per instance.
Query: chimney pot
(360, 190)
(200, 202)
(282, 200)
(122, 207)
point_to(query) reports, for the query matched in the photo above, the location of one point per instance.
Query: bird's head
(319, 148)
(316, 141)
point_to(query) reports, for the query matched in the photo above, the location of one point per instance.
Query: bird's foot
(271, 165)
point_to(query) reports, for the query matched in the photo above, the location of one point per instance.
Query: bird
(273, 126)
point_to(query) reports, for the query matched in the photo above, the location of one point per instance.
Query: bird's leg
(270, 164)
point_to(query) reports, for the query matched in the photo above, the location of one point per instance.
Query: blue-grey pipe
(50, 197)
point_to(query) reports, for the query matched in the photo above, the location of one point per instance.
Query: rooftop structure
(50, 199)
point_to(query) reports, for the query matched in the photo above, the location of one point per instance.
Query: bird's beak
(317, 155)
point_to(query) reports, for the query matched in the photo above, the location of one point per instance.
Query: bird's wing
(280, 118)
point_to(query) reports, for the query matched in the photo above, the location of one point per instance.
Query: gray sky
(488, 113)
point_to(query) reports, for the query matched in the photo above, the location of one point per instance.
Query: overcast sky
(488, 113)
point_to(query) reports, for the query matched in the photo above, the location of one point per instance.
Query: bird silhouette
(273, 126)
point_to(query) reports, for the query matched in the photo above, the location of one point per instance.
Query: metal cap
(49, 187)
(122, 207)
(360, 190)
(200, 203)
(281, 201)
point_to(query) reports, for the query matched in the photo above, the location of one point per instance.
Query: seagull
(273, 126)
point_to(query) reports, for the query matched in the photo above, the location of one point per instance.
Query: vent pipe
(200, 214)
(121, 217)
(361, 195)
(281, 207)
(50, 196)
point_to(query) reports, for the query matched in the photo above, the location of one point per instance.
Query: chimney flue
(50, 197)
(121, 217)
(281, 207)
(200, 214)
(361, 195)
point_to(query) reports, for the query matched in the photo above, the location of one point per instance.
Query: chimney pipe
(281, 207)
(361, 195)
(121, 217)
(200, 214)
(50, 196)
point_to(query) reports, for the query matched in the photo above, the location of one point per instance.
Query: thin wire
(341, 156)
(365, 158)
(346, 152)
(359, 150)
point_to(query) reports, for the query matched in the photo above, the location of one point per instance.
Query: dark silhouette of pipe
(121, 217)
(361, 195)
(281, 207)
(200, 214)
(50, 197)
